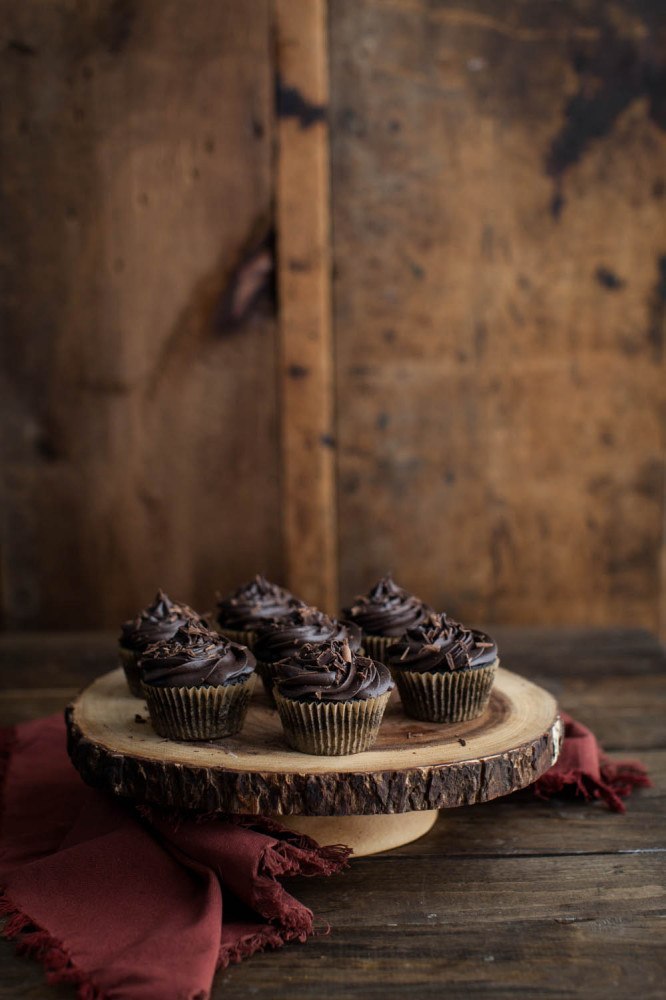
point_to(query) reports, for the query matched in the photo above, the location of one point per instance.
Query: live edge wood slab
(413, 769)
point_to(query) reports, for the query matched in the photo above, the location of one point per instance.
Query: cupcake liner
(129, 661)
(445, 697)
(198, 713)
(242, 636)
(376, 646)
(331, 728)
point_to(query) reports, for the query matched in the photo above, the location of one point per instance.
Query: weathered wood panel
(500, 255)
(304, 285)
(138, 392)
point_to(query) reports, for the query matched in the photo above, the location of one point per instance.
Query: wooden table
(511, 898)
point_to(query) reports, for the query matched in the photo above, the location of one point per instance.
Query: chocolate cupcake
(156, 623)
(253, 606)
(384, 615)
(282, 639)
(330, 699)
(197, 684)
(443, 670)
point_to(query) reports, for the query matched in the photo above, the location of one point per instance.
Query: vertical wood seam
(306, 369)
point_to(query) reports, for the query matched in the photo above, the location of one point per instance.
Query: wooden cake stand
(372, 801)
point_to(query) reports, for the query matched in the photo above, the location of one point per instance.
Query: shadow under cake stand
(372, 801)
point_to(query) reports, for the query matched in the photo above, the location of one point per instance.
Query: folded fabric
(583, 769)
(140, 904)
(137, 906)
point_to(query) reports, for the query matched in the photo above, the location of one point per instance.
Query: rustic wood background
(476, 399)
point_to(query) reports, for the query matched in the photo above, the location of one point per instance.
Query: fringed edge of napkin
(30, 939)
(293, 854)
(34, 942)
(296, 854)
(584, 769)
(616, 781)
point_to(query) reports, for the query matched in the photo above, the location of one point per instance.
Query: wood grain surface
(304, 289)
(510, 898)
(489, 383)
(139, 399)
(499, 304)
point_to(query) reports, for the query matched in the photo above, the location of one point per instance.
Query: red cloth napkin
(583, 769)
(141, 906)
(137, 907)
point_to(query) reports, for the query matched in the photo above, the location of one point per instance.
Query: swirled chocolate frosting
(156, 623)
(387, 610)
(195, 657)
(442, 644)
(282, 639)
(332, 672)
(255, 604)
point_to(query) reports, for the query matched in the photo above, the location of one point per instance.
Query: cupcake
(443, 670)
(282, 639)
(384, 615)
(197, 684)
(330, 699)
(156, 623)
(253, 606)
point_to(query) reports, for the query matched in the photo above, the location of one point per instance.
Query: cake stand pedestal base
(364, 834)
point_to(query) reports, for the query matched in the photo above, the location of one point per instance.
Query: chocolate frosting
(156, 623)
(282, 639)
(255, 604)
(195, 657)
(442, 644)
(387, 610)
(332, 672)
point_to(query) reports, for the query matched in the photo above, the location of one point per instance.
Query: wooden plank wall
(139, 409)
(500, 261)
(490, 373)
(304, 285)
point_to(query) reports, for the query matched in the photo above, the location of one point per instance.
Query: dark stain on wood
(46, 446)
(480, 338)
(613, 71)
(298, 371)
(557, 203)
(609, 279)
(291, 103)
(298, 266)
(20, 48)
(657, 311)
(116, 23)
(649, 482)
(327, 440)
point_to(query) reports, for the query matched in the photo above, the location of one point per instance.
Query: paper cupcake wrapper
(203, 713)
(129, 661)
(445, 697)
(330, 729)
(242, 636)
(375, 646)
